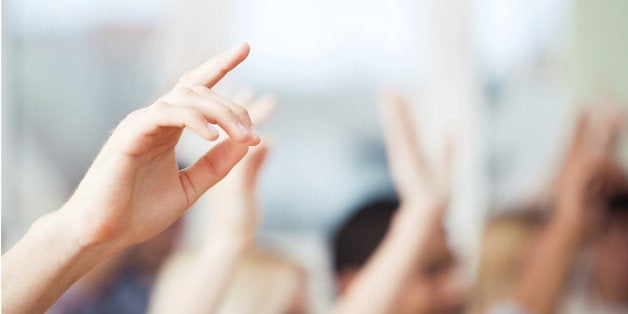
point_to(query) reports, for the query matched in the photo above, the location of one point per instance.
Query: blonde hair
(262, 282)
(505, 241)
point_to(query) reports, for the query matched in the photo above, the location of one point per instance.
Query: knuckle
(184, 91)
(160, 106)
(133, 115)
(193, 113)
(225, 111)
(240, 110)
(202, 89)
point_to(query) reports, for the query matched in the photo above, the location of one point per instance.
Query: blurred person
(226, 274)
(589, 177)
(260, 282)
(359, 236)
(266, 283)
(134, 189)
(604, 286)
(395, 259)
(506, 244)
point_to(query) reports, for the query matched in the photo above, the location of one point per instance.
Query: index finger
(213, 70)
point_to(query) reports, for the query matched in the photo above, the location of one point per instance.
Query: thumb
(211, 168)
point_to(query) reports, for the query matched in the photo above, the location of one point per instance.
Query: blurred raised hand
(416, 181)
(590, 175)
(591, 172)
(423, 192)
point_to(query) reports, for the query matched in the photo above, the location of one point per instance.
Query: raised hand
(232, 229)
(589, 176)
(134, 189)
(590, 173)
(416, 182)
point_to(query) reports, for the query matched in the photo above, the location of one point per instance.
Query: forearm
(231, 233)
(216, 266)
(384, 276)
(45, 263)
(543, 279)
(204, 279)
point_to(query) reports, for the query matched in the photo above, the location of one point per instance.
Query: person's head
(433, 288)
(507, 240)
(610, 266)
(264, 282)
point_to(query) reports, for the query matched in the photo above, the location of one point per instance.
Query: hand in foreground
(134, 188)
(203, 279)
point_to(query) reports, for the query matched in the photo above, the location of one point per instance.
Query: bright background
(502, 76)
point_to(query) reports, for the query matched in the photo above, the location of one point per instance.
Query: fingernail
(243, 128)
(212, 130)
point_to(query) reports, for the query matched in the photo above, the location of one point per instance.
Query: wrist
(48, 259)
(69, 227)
(229, 243)
(419, 210)
(566, 230)
(415, 220)
(567, 221)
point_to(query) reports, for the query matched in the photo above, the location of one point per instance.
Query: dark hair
(358, 236)
(618, 202)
